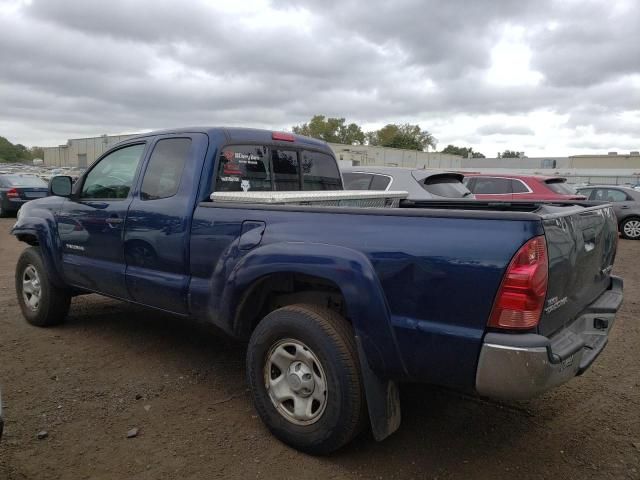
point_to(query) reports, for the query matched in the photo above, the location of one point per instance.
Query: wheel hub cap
(296, 382)
(31, 287)
(632, 228)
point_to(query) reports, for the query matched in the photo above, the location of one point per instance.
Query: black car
(16, 190)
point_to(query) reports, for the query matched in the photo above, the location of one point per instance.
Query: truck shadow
(439, 427)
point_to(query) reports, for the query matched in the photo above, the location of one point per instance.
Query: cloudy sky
(544, 76)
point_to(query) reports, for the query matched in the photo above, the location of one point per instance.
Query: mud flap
(383, 399)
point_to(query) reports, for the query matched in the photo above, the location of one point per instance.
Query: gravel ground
(115, 367)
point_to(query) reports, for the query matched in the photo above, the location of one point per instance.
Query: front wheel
(630, 228)
(42, 303)
(303, 370)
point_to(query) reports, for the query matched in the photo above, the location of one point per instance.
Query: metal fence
(625, 180)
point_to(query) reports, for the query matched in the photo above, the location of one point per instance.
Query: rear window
(244, 168)
(24, 181)
(445, 186)
(320, 171)
(561, 187)
(259, 168)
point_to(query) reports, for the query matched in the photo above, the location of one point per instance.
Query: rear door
(90, 224)
(156, 237)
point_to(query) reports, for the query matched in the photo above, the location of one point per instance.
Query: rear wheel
(303, 370)
(630, 228)
(42, 303)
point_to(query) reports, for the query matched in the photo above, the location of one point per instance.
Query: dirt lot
(113, 367)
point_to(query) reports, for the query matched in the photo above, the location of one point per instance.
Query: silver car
(626, 204)
(421, 184)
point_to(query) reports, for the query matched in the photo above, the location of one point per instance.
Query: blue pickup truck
(338, 304)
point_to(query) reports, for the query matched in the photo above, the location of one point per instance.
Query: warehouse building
(81, 152)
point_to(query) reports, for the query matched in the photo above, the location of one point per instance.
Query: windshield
(561, 187)
(25, 181)
(445, 186)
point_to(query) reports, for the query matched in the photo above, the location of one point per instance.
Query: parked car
(419, 183)
(520, 187)
(16, 190)
(338, 304)
(626, 204)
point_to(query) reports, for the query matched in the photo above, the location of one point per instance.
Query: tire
(630, 228)
(325, 342)
(42, 303)
(3, 212)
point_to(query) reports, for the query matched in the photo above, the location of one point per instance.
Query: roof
(418, 173)
(515, 175)
(236, 134)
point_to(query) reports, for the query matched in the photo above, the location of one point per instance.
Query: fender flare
(42, 229)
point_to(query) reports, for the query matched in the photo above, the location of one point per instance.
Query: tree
(18, 153)
(331, 130)
(407, 136)
(462, 151)
(509, 154)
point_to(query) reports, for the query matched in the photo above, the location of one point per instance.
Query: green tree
(17, 153)
(462, 151)
(333, 130)
(407, 136)
(509, 154)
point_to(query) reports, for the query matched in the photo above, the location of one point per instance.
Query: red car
(520, 187)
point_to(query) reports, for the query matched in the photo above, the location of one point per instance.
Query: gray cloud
(500, 129)
(93, 66)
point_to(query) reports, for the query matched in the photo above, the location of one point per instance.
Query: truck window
(243, 168)
(164, 172)
(286, 170)
(320, 172)
(112, 176)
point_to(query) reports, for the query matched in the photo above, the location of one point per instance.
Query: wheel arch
(343, 274)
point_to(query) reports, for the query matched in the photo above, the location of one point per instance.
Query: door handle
(625, 207)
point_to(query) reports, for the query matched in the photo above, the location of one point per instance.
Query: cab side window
(112, 177)
(164, 172)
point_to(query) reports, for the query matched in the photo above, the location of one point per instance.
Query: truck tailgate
(581, 245)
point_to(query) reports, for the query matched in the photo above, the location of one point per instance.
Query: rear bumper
(12, 204)
(521, 366)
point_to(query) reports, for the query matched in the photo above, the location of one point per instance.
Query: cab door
(156, 238)
(91, 223)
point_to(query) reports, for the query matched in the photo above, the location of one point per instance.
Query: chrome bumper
(522, 366)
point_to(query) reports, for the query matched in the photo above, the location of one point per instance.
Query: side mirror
(60, 186)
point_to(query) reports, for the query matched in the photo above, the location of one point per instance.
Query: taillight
(13, 193)
(283, 136)
(520, 300)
